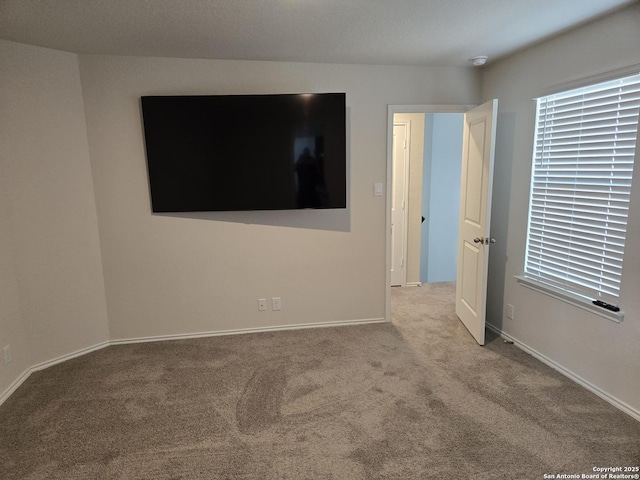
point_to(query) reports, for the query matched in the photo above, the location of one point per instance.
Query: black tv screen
(245, 152)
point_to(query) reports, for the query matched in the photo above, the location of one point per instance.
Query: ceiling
(389, 32)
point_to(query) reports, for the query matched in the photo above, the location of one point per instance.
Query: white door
(474, 237)
(400, 162)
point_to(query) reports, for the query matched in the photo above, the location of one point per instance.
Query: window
(584, 149)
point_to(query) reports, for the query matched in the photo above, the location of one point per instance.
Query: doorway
(425, 198)
(432, 192)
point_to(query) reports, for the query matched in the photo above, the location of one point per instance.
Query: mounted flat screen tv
(245, 152)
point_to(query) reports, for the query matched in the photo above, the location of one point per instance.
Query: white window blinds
(584, 149)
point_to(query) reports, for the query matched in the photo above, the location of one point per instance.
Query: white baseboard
(544, 359)
(241, 331)
(14, 386)
(619, 404)
(69, 356)
(49, 363)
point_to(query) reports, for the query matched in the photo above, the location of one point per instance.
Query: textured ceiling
(392, 32)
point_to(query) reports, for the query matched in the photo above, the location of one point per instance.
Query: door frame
(391, 111)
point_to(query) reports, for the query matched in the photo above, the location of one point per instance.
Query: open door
(474, 237)
(399, 205)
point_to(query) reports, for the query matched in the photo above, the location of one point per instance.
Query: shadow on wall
(338, 220)
(499, 216)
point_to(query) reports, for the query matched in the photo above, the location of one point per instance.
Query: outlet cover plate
(510, 311)
(262, 304)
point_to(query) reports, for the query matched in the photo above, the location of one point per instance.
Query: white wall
(12, 331)
(603, 353)
(53, 284)
(172, 274)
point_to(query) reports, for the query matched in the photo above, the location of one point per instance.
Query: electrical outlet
(510, 311)
(7, 354)
(262, 304)
(276, 303)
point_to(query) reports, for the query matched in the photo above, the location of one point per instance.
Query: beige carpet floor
(416, 399)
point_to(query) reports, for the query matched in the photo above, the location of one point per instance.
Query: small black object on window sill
(608, 306)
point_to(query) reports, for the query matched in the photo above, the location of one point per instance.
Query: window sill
(569, 298)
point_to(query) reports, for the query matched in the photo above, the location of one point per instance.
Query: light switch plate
(276, 303)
